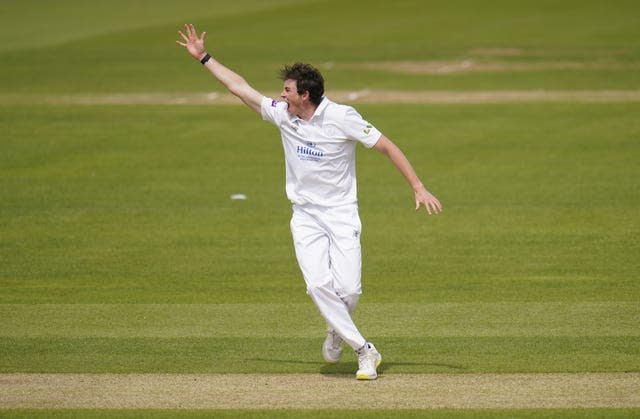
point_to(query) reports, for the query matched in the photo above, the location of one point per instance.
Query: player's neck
(307, 112)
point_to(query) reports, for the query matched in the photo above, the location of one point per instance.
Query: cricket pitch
(317, 391)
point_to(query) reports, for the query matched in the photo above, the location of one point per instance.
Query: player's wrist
(204, 57)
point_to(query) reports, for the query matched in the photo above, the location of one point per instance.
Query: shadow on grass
(349, 368)
(285, 361)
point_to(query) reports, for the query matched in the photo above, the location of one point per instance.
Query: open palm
(192, 42)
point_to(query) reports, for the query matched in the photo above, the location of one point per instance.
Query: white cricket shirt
(320, 153)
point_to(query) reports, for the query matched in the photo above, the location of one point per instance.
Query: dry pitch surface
(315, 391)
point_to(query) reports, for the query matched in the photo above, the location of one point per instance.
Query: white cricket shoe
(332, 347)
(368, 360)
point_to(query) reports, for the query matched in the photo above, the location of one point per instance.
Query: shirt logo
(367, 130)
(309, 152)
(274, 103)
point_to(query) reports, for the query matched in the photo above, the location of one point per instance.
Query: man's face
(290, 95)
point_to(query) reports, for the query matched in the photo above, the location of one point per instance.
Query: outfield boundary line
(317, 391)
(364, 96)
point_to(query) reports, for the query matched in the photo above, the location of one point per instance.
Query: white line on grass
(353, 97)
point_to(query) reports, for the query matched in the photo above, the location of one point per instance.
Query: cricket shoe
(332, 347)
(368, 360)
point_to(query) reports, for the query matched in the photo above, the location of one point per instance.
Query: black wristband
(205, 59)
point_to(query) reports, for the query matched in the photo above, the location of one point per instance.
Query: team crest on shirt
(367, 130)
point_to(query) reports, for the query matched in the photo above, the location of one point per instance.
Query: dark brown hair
(308, 79)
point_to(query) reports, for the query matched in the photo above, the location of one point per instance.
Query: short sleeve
(272, 110)
(358, 129)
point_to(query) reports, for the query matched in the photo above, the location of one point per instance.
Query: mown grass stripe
(303, 355)
(515, 319)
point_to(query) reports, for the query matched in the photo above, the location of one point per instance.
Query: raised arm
(237, 85)
(423, 197)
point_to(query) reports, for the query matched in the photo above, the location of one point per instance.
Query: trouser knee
(351, 301)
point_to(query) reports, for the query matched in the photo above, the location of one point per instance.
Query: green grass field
(121, 250)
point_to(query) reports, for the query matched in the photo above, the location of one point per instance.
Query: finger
(193, 30)
(183, 36)
(181, 43)
(437, 207)
(433, 208)
(435, 204)
(202, 36)
(426, 205)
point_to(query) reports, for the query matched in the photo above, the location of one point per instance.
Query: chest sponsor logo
(309, 152)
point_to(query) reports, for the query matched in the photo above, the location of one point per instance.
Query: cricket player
(319, 139)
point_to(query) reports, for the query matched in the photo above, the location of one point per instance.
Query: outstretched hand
(430, 202)
(192, 42)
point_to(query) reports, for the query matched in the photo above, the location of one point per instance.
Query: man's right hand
(237, 85)
(193, 43)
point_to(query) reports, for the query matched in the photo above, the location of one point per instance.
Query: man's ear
(305, 95)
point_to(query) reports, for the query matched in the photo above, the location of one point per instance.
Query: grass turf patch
(415, 338)
(302, 355)
(91, 49)
(253, 320)
(131, 204)
(102, 205)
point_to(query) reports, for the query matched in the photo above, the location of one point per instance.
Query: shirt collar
(319, 109)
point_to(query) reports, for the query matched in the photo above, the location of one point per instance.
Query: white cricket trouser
(327, 243)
